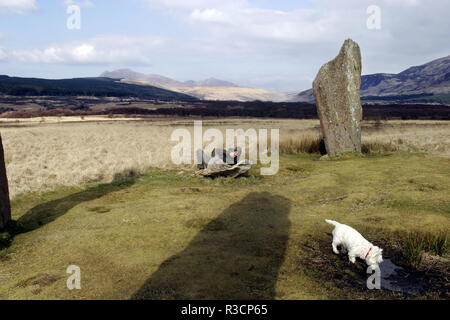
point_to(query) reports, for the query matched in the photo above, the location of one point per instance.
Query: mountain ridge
(155, 79)
(164, 81)
(430, 81)
(211, 82)
(97, 87)
(209, 89)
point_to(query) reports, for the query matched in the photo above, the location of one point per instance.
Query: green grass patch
(416, 243)
(171, 235)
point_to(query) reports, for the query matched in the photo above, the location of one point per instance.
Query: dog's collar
(368, 253)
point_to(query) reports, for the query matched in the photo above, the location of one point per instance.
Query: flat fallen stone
(226, 170)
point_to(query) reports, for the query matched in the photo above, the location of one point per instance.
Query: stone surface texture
(337, 93)
(5, 207)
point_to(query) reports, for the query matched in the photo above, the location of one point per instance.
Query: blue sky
(277, 45)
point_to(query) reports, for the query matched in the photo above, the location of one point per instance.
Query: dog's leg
(352, 258)
(335, 245)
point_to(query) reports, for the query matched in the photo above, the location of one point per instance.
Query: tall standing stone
(5, 207)
(336, 90)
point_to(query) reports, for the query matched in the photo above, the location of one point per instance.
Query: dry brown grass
(42, 157)
(432, 137)
(377, 146)
(47, 154)
(315, 145)
(304, 144)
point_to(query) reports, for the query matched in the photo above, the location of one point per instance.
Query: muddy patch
(398, 281)
(396, 278)
(430, 278)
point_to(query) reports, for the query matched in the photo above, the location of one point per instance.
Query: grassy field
(47, 153)
(168, 234)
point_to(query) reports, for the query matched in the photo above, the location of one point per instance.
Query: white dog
(355, 244)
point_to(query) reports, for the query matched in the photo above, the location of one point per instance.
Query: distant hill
(222, 93)
(209, 89)
(163, 81)
(426, 83)
(154, 79)
(211, 82)
(98, 87)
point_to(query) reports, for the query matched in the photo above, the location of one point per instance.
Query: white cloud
(84, 4)
(412, 32)
(239, 40)
(17, 6)
(195, 4)
(209, 15)
(405, 3)
(235, 25)
(237, 19)
(99, 50)
(3, 54)
(328, 20)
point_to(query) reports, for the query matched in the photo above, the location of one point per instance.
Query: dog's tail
(332, 222)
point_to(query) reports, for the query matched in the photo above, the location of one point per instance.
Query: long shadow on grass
(235, 256)
(47, 212)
